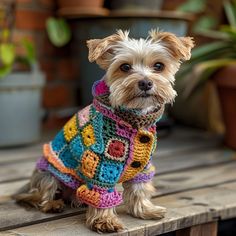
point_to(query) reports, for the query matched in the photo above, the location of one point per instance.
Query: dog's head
(140, 72)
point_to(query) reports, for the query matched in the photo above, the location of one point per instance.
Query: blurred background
(45, 76)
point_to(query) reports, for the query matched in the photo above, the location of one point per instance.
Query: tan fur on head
(141, 54)
(100, 50)
(180, 47)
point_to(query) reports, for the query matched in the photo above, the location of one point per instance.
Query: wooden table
(196, 181)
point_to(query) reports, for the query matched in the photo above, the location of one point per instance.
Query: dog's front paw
(148, 211)
(54, 206)
(106, 225)
(103, 220)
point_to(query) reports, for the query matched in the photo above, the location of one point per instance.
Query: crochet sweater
(100, 147)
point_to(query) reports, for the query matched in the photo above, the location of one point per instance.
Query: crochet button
(144, 139)
(136, 164)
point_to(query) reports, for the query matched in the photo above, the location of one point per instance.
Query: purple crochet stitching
(143, 178)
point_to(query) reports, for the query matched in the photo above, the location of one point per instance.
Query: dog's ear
(179, 47)
(102, 50)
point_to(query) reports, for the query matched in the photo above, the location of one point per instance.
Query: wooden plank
(185, 140)
(19, 163)
(184, 210)
(208, 229)
(10, 188)
(179, 141)
(13, 155)
(195, 178)
(164, 164)
(166, 184)
(25, 153)
(16, 171)
(191, 159)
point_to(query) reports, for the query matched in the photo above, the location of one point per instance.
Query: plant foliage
(208, 58)
(58, 31)
(9, 50)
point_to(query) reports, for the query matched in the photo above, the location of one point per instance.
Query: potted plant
(21, 84)
(216, 61)
(81, 7)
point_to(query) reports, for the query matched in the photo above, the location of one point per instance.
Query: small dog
(112, 140)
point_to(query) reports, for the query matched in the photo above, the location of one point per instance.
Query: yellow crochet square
(143, 143)
(88, 135)
(89, 163)
(70, 129)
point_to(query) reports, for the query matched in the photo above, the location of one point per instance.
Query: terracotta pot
(226, 84)
(80, 3)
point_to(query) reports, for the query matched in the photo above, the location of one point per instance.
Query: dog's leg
(137, 200)
(103, 220)
(40, 192)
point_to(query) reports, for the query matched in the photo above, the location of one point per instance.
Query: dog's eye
(125, 67)
(159, 66)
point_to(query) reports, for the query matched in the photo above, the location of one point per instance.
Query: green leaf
(205, 53)
(58, 31)
(7, 53)
(208, 49)
(230, 13)
(202, 72)
(5, 35)
(193, 6)
(230, 31)
(5, 70)
(204, 22)
(30, 51)
(213, 34)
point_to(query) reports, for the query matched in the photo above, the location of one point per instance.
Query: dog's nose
(145, 85)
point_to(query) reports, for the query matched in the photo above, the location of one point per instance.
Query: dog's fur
(45, 192)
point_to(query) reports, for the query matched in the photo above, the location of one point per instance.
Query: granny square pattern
(70, 129)
(89, 163)
(116, 149)
(101, 146)
(88, 135)
(83, 116)
(109, 172)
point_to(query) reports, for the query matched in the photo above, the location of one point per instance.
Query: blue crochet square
(110, 172)
(67, 158)
(98, 146)
(77, 148)
(58, 142)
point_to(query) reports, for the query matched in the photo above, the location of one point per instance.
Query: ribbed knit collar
(130, 117)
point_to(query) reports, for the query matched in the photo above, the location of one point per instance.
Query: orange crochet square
(88, 196)
(70, 129)
(89, 163)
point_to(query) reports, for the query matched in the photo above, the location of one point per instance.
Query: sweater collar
(129, 117)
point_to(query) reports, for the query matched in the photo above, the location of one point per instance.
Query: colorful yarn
(88, 135)
(66, 179)
(145, 176)
(89, 164)
(83, 116)
(99, 147)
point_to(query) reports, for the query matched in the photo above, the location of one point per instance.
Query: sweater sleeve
(146, 175)
(99, 197)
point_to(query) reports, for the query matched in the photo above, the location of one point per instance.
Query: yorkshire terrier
(112, 140)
